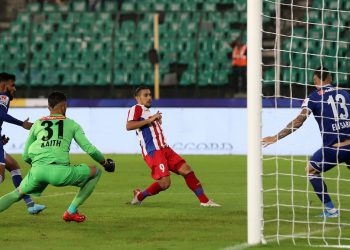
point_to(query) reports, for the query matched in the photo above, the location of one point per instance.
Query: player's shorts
(40, 176)
(162, 161)
(325, 159)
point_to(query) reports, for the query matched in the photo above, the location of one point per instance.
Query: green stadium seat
(221, 77)
(79, 5)
(67, 77)
(103, 77)
(129, 7)
(47, 7)
(174, 6)
(49, 77)
(110, 6)
(87, 77)
(269, 78)
(34, 7)
(342, 78)
(209, 6)
(288, 77)
(205, 78)
(189, 6)
(120, 78)
(187, 78)
(35, 78)
(240, 5)
(159, 6)
(21, 77)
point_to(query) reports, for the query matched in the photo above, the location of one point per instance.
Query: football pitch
(171, 220)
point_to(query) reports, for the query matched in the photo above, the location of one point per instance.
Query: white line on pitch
(115, 193)
(282, 238)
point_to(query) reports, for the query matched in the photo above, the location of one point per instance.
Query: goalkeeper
(47, 150)
(331, 108)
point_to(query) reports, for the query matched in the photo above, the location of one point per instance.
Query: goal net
(298, 37)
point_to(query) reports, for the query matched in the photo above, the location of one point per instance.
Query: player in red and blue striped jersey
(160, 158)
(331, 108)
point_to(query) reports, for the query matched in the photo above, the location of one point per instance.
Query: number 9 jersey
(330, 107)
(50, 138)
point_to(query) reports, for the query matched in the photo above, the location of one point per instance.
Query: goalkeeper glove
(109, 165)
(4, 139)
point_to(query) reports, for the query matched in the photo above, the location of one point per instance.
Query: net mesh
(299, 37)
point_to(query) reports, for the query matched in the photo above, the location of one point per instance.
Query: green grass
(170, 220)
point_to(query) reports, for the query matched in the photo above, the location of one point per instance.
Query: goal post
(254, 92)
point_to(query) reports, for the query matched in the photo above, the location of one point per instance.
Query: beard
(10, 95)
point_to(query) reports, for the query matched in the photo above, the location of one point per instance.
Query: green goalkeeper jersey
(50, 138)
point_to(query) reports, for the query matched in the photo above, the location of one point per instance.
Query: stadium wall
(187, 130)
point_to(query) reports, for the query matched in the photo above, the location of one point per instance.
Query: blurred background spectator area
(103, 46)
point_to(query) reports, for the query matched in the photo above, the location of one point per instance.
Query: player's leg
(161, 184)
(322, 161)
(29, 184)
(13, 167)
(178, 165)
(2, 173)
(160, 173)
(86, 189)
(8, 199)
(2, 163)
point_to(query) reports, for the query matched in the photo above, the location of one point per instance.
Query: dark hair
(138, 89)
(6, 77)
(322, 73)
(55, 98)
(12, 77)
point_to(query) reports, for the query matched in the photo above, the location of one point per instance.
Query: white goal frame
(254, 96)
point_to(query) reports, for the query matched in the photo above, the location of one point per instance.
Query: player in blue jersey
(330, 107)
(7, 92)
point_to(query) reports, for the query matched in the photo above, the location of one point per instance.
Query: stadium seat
(103, 77)
(187, 78)
(34, 7)
(79, 5)
(269, 78)
(47, 7)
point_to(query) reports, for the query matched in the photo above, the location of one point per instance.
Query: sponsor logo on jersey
(47, 118)
(4, 100)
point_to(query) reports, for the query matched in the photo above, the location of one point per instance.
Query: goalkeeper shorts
(40, 176)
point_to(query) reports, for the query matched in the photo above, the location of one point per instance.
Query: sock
(84, 192)
(194, 184)
(153, 189)
(1, 179)
(320, 189)
(17, 179)
(8, 199)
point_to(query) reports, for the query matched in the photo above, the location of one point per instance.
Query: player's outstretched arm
(27, 124)
(290, 128)
(10, 119)
(131, 125)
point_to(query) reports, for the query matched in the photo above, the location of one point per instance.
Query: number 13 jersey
(330, 107)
